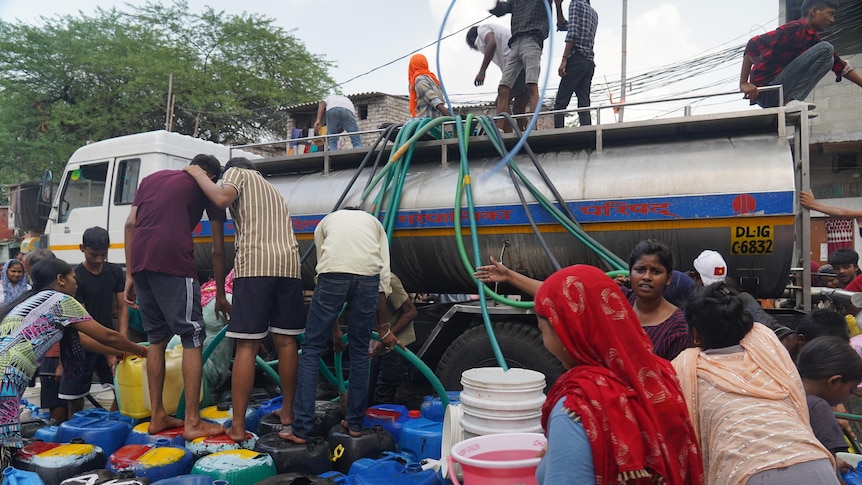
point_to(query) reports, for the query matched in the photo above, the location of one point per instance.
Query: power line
(393, 61)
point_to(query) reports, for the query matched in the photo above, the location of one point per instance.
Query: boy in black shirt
(100, 286)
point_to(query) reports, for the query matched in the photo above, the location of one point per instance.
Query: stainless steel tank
(726, 191)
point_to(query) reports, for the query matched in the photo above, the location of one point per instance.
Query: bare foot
(158, 425)
(355, 434)
(287, 434)
(237, 435)
(203, 429)
(285, 420)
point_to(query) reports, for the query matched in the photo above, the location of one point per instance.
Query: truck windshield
(84, 187)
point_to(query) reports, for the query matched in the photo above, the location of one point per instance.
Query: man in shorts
(492, 40)
(161, 274)
(267, 291)
(100, 287)
(529, 31)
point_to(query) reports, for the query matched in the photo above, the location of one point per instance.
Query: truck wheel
(520, 343)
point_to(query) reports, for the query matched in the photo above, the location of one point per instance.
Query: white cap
(711, 267)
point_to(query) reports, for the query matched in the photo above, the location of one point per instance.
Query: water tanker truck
(726, 182)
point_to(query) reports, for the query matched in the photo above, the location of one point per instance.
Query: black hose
(382, 136)
(541, 170)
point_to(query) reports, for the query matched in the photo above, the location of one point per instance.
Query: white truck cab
(99, 183)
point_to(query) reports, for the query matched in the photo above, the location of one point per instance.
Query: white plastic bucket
(497, 401)
(452, 433)
(501, 459)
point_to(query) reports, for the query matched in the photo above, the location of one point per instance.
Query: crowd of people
(757, 398)
(718, 390)
(672, 377)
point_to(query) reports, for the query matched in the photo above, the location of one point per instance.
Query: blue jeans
(579, 76)
(330, 294)
(338, 118)
(800, 76)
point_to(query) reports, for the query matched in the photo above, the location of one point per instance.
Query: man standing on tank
(529, 30)
(353, 268)
(162, 279)
(267, 291)
(577, 67)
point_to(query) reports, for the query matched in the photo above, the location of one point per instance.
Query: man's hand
(129, 294)
(195, 171)
(58, 372)
(222, 308)
(562, 69)
(317, 125)
(749, 90)
(112, 362)
(336, 339)
(480, 79)
(502, 8)
(806, 198)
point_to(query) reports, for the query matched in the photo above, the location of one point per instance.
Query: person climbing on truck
(794, 56)
(162, 280)
(267, 291)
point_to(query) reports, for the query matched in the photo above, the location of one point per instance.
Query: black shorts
(78, 387)
(48, 396)
(263, 304)
(170, 305)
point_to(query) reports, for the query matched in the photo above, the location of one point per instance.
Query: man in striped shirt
(267, 289)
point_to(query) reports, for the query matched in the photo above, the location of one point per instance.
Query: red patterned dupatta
(627, 399)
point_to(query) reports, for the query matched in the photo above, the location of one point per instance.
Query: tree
(75, 79)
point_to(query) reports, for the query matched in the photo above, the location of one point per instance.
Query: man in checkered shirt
(793, 56)
(529, 31)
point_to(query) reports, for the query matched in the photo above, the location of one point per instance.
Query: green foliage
(75, 79)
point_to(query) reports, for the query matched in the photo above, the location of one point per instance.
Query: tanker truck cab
(99, 184)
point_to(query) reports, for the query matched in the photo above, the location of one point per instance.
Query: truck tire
(520, 343)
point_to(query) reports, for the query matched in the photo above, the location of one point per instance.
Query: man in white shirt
(492, 40)
(353, 268)
(340, 115)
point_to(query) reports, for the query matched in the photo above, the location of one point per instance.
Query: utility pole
(623, 66)
(168, 108)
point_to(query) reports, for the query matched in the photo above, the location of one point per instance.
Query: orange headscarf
(627, 398)
(418, 67)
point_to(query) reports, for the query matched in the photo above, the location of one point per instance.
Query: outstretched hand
(495, 272)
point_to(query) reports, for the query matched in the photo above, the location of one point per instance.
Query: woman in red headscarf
(426, 97)
(617, 415)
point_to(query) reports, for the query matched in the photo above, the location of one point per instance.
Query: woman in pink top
(746, 399)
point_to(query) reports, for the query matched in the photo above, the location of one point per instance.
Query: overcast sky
(361, 35)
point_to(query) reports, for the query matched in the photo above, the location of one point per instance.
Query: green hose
(464, 178)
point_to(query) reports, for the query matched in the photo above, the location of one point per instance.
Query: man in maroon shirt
(793, 56)
(161, 273)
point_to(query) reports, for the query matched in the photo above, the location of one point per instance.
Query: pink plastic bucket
(500, 459)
